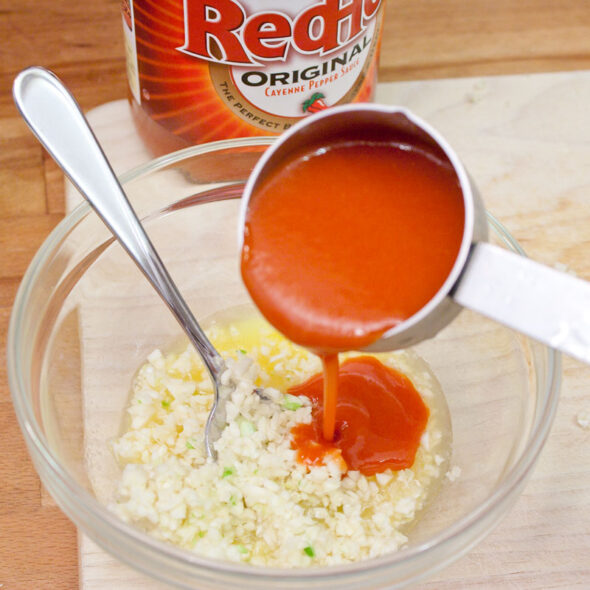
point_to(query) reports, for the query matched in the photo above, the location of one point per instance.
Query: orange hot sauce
(381, 418)
(341, 244)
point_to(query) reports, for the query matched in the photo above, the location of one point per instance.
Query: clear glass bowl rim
(81, 502)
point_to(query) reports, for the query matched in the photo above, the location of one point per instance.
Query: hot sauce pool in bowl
(84, 321)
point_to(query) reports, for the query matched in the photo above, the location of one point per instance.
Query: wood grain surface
(82, 43)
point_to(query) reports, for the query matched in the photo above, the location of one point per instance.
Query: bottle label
(281, 64)
(268, 63)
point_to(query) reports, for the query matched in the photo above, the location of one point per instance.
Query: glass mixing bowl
(85, 319)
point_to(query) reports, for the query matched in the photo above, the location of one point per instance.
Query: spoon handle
(56, 119)
(543, 303)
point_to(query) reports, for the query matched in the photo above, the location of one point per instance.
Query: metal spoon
(547, 305)
(56, 119)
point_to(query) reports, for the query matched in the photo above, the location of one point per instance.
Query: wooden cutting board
(526, 142)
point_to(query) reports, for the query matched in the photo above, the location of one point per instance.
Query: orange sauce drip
(330, 394)
(342, 244)
(380, 418)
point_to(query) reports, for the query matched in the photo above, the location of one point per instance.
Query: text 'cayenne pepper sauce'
(205, 70)
(342, 243)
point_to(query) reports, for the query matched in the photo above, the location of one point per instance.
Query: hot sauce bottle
(206, 70)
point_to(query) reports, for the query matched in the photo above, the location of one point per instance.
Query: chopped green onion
(291, 402)
(227, 472)
(309, 551)
(241, 549)
(165, 403)
(189, 445)
(247, 428)
(201, 534)
(242, 350)
(232, 500)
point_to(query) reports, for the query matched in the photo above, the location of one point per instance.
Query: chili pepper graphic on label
(315, 103)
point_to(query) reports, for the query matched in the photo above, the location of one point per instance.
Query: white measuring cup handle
(550, 306)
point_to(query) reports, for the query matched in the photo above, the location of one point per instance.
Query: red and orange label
(205, 70)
